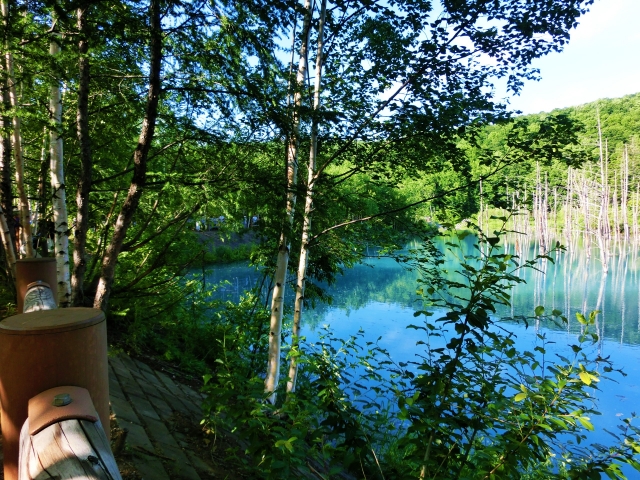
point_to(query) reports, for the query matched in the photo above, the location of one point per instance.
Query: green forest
(299, 134)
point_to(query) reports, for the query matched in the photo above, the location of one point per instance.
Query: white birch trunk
(280, 276)
(16, 138)
(59, 203)
(308, 208)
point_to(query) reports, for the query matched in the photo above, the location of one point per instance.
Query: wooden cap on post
(50, 321)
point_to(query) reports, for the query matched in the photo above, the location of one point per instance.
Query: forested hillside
(590, 196)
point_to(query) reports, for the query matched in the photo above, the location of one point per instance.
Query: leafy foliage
(470, 405)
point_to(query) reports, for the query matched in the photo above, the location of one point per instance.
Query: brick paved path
(147, 402)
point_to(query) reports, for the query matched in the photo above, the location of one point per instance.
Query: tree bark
(140, 156)
(308, 211)
(280, 276)
(59, 194)
(7, 244)
(6, 194)
(43, 197)
(84, 182)
(23, 202)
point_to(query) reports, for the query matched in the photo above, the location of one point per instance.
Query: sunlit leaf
(585, 377)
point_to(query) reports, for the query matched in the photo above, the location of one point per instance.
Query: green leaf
(493, 241)
(584, 421)
(585, 377)
(519, 397)
(539, 310)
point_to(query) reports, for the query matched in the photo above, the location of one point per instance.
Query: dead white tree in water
(624, 194)
(570, 217)
(616, 221)
(635, 218)
(603, 236)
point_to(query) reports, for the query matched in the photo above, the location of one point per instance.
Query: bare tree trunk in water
(140, 156)
(308, 208)
(280, 276)
(59, 194)
(23, 202)
(84, 183)
(625, 195)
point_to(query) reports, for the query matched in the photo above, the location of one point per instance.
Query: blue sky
(602, 60)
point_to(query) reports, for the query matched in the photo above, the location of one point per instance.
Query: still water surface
(379, 297)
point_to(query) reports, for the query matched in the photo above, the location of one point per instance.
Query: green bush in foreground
(469, 406)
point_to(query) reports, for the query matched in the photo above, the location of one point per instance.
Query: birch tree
(59, 195)
(6, 194)
(26, 243)
(282, 265)
(303, 260)
(84, 183)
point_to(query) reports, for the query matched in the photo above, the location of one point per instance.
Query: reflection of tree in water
(380, 280)
(577, 283)
(574, 283)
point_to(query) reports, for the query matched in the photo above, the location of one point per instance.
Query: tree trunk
(23, 202)
(43, 197)
(625, 195)
(59, 195)
(140, 156)
(84, 183)
(277, 299)
(6, 194)
(7, 244)
(308, 209)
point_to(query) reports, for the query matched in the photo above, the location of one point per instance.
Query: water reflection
(576, 283)
(380, 297)
(570, 282)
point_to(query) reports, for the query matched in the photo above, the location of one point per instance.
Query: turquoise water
(379, 297)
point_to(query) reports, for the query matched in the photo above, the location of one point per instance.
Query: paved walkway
(157, 412)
